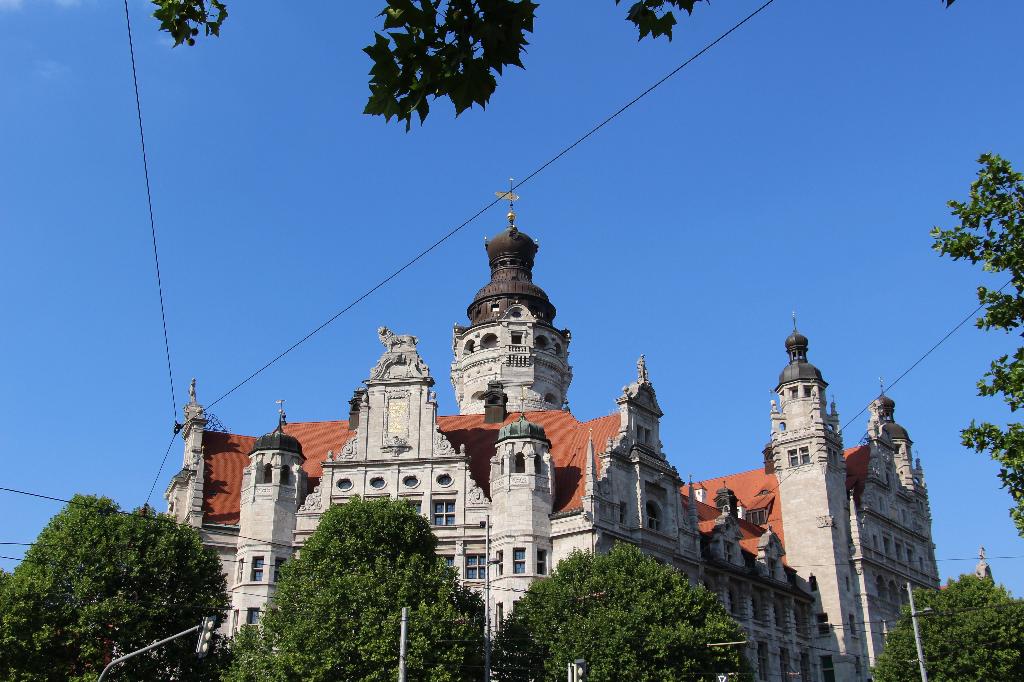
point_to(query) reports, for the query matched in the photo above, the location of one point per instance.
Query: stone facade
(809, 552)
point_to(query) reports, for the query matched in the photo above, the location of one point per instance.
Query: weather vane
(512, 199)
(280, 410)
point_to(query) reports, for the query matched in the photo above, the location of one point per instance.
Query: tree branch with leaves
(991, 232)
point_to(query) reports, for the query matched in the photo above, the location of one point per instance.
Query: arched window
(541, 342)
(489, 341)
(268, 473)
(470, 346)
(502, 466)
(284, 475)
(538, 464)
(519, 465)
(653, 516)
(550, 398)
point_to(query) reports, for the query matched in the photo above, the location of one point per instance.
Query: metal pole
(145, 649)
(487, 602)
(402, 643)
(917, 635)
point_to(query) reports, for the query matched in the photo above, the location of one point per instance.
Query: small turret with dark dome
(522, 428)
(278, 440)
(798, 369)
(886, 415)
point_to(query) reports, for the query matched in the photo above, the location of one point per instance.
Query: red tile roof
(750, 489)
(856, 469)
(227, 454)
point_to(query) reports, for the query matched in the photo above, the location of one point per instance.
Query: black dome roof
(895, 431)
(796, 339)
(512, 243)
(278, 440)
(798, 371)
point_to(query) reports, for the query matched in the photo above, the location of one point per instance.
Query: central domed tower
(510, 339)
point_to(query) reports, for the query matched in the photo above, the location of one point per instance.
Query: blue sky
(798, 165)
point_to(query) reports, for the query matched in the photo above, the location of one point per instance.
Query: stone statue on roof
(641, 370)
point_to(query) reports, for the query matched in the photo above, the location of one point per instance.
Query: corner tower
(511, 338)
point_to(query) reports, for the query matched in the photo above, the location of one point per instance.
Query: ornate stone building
(810, 551)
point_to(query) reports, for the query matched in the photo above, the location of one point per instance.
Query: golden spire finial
(512, 199)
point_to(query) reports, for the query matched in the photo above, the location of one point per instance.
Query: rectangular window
(256, 574)
(241, 570)
(823, 626)
(278, 563)
(416, 503)
(476, 567)
(234, 621)
(757, 516)
(780, 614)
(499, 615)
(807, 391)
(793, 460)
(794, 393)
(805, 456)
(828, 672)
(518, 560)
(805, 666)
(784, 664)
(853, 624)
(886, 544)
(252, 616)
(500, 561)
(444, 513)
(542, 562)
(622, 513)
(762, 661)
(449, 561)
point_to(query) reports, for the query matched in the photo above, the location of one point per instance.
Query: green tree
(430, 49)
(991, 232)
(975, 631)
(628, 616)
(99, 583)
(336, 614)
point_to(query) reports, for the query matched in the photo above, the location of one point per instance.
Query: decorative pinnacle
(881, 385)
(280, 412)
(794, 320)
(512, 199)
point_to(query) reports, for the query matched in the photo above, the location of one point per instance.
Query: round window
(410, 481)
(377, 482)
(516, 312)
(345, 484)
(444, 480)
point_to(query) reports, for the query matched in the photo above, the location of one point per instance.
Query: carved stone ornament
(314, 502)
(826, 521)
(348, 451)
(518, 480)
(475, 496)
(442, 446)
(396, 445)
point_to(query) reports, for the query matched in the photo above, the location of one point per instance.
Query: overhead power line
(149, 202)
(455, 230)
